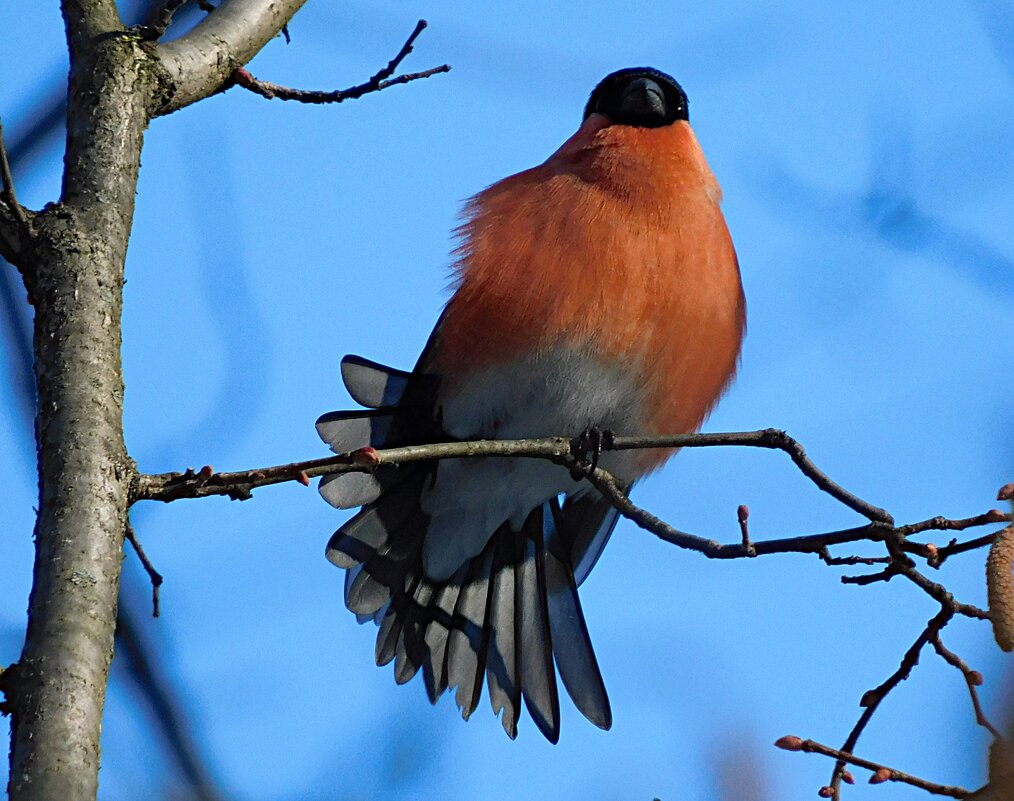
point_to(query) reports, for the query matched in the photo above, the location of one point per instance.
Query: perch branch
(880, 528)
(239, 485)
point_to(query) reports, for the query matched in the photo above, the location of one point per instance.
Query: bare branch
(160, 20)
(200, 63)
(940, 593)
(943, 524)
(568, 453)
(238, 485)
(168, 487)
(381, 80)
(956, 547)
(271, 91)
(872, 698)
(153, 575)
(881, 773)
(557, 449)
(15, 224)
(770, 438)
(8, 196)
(972, 678)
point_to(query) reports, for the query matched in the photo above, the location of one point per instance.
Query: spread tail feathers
(505, 615)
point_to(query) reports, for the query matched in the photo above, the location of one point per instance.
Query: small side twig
(972, 678)
(881, 773)
(866, 579)
(743, 517)
(153, 575)
(771, 438)
(16, 224)
(161, 19)
(381, 80)
(873, 698)
(849, 561)
(937, 592)
(7, 193)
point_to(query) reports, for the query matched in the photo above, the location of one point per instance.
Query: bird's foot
(586, 448)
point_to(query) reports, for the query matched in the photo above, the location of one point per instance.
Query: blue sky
(864, 151)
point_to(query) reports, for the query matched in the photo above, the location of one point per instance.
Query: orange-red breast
(599, 290)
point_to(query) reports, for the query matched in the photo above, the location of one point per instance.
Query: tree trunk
(75, 280)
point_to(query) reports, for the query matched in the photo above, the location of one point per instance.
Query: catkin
(1000, 587)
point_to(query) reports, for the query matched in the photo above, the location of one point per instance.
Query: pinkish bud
(366, 457)
(789, 743)
(882, 775)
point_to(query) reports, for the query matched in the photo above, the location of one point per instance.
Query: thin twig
(866, 579)
(381, 80)
(393, 64)
(943, 524)
(153, 575)
(160, 21)
(271, 91)
(937, 592)
(956, 547)
(941, 594)
(8, 195)
(881, 772)
(743, 518)
(872, 698)
(849, 561)
(972, 678)
(771, 438)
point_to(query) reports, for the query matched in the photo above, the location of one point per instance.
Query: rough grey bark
(73, 264)
(75, 282)
(200, 63)
(83, 492)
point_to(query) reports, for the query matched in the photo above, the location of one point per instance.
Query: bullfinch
(598, 291)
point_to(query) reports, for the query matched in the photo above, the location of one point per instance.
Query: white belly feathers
(556, 392)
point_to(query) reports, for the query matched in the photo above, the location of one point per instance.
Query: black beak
(643, 98)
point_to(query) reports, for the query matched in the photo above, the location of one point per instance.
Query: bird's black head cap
(639, 96)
